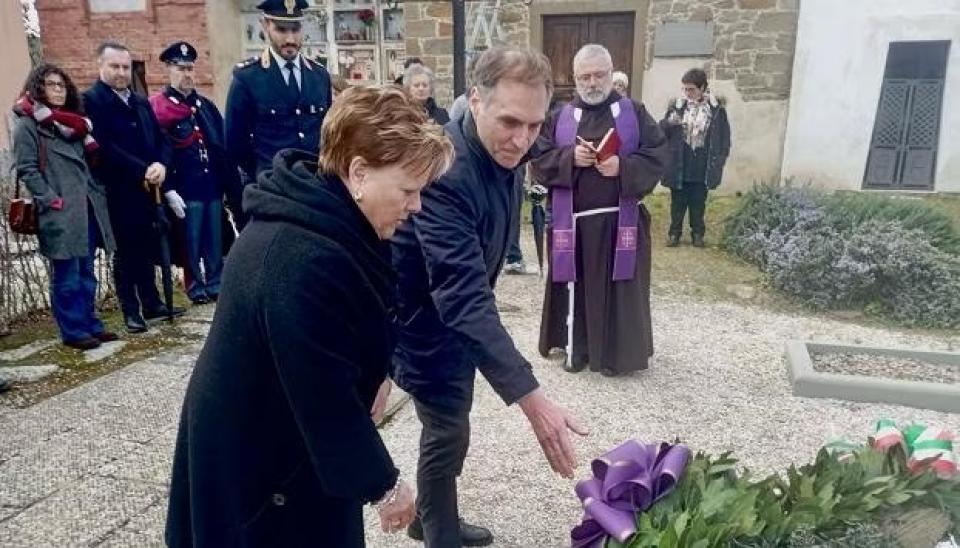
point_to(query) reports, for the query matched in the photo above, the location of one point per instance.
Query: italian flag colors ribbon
(926, 447)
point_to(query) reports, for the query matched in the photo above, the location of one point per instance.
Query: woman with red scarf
(53, 148)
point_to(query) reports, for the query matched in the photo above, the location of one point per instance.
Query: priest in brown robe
(599, 241)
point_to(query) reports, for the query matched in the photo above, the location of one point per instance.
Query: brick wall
(754, 40)
(71, 34)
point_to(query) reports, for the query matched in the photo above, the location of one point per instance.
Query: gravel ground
(890, 367)
(718, 381)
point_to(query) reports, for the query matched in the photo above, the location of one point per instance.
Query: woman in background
(53, 147)
(418, 80)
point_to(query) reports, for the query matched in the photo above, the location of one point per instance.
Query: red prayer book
(609, 145)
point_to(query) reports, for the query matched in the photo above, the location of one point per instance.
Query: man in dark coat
(447, 260)
(279, 99)
(604, 258)
(276, 446)
(133, 151)
(699, 133)
(200, 171)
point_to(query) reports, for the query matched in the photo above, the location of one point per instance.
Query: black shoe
(673, 241)
(106, 336)
(83, 344)
(576, 365)
(161, 312)
(200, 300)
(607, 372)
(4, 385)
(698, 240)
(135, 323)
(470, 535)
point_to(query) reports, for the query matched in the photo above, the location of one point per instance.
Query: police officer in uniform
(277, 100)
(200, 170)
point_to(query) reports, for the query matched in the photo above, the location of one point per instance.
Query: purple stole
(563, 253)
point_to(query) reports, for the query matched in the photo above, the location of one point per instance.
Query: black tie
(292, 80)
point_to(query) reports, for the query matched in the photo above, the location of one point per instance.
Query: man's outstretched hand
(550, 423)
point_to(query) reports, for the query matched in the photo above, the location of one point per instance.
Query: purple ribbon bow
(626, 480)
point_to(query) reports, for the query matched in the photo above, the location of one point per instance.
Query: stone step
(27, 350)
(104, 351)
(27, 373)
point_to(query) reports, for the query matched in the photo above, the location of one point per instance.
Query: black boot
(698, 240)
(83, 344)
(673, 240)
(4, 385)
(470, 535)
(160, 312)
(135, 323)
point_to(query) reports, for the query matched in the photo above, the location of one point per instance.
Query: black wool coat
(717, 145)
(436, 113)
(276, 445)
(130, 140)
(447, 259)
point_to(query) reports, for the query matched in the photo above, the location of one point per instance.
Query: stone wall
(754, 41)
(430, 35)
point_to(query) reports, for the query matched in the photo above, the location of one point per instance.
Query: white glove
(176, 203)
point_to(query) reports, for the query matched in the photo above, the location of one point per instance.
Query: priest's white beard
(594, 95)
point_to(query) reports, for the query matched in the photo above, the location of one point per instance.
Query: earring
(358, 196)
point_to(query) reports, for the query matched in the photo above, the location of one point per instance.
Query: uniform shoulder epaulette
(312, 64)
(246, 63)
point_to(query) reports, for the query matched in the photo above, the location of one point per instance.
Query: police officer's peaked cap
(179, 53)
(283, 10)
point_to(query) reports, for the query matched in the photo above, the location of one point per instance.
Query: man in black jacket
(133, 151)
(447, 260)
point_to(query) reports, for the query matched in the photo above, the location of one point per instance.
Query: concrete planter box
(926, 395)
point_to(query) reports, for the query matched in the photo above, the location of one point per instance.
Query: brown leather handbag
(23, 215)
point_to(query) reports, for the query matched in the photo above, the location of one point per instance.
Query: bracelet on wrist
(390, 497)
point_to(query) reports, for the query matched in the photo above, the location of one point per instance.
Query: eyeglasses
(52, 84)
(587, 76)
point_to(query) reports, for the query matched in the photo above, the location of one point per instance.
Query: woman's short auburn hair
(384, 127)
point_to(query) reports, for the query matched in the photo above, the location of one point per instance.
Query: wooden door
(563, 35)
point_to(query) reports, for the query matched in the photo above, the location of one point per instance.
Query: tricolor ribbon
(628, 479)
(926, 446)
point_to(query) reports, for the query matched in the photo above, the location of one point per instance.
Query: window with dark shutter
(906, 132)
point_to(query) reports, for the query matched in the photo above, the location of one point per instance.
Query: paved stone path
(90, 467)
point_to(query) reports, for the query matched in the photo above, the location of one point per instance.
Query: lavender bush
(900, 262)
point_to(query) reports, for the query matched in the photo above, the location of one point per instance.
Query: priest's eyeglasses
(599, 75)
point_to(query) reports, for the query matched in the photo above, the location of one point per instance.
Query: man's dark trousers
(692, 196)
(134, 269)
(444, 441)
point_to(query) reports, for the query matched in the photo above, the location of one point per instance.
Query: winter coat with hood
(276, 445)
